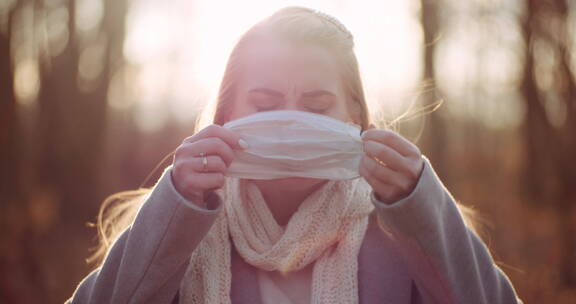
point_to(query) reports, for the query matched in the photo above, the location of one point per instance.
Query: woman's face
(280, 75)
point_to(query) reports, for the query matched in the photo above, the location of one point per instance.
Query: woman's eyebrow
(317, 93)
(267, 92)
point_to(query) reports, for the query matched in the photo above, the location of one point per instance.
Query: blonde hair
(298, 24)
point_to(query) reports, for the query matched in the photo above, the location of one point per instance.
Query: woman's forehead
(274, 61)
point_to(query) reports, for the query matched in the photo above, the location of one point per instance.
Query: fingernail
(243, 143)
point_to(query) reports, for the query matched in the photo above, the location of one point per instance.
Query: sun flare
(181, 47)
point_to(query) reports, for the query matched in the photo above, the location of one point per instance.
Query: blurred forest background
(79, 121)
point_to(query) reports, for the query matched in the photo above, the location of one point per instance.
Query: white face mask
(289, 143)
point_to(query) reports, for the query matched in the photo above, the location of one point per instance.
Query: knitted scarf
(328, 229)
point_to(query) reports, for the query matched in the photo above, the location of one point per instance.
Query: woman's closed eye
(318, 103)
(266, 104)
(265, 99)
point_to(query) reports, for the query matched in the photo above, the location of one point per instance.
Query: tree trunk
(435, 137)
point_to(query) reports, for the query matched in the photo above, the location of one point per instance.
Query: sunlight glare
(183, 46)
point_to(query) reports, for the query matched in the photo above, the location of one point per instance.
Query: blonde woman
(221, 227)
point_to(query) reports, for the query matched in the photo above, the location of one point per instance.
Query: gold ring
(204, 161)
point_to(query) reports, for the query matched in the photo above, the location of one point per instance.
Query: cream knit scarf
(328, 229)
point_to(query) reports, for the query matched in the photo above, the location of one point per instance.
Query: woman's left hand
(391, 164)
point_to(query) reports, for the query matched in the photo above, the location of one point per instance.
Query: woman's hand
(391, 164)
(189, 174)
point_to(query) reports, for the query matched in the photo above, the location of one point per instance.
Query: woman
(395, 235)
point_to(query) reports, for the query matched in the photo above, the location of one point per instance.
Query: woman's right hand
(189, 176)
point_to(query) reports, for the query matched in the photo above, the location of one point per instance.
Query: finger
(387, 155)
(383, 192)
(214, 164)
(392, 139)
(385, 174)
(208, 146)
(370, 126)
(229, 137)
